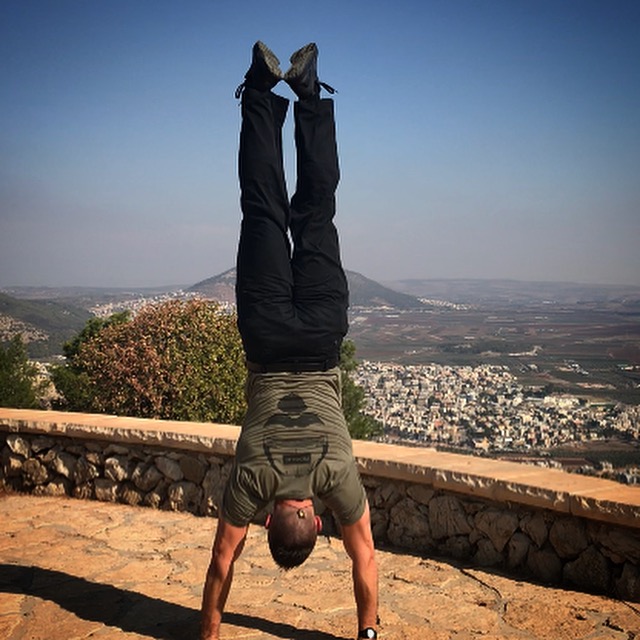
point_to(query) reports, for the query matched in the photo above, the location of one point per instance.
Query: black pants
(292, 303)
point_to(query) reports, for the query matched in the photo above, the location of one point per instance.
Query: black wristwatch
(368, 633)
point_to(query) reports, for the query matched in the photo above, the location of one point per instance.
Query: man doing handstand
(292, 314)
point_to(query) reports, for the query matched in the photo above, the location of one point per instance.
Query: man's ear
(318, 524)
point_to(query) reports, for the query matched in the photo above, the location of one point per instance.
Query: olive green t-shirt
(294, 444)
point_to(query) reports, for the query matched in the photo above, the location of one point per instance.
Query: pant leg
(321, 295)
(264, 285)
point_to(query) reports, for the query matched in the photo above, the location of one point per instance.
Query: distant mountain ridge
(44, 324)
(220, 287)
(466, 290)
(363, 292)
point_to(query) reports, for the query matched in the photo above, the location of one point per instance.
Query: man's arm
(227, 546)
(358, 542)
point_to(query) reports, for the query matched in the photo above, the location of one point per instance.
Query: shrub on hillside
(176, 361)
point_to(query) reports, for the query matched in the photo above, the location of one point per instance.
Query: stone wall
(111, 472)
(543, 544)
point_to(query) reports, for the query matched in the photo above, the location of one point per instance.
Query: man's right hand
(227, 547)
(358, 542)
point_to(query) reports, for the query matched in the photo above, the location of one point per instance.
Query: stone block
(517, 550)
(64, 464)
(568, 537)
(115, 449)
(409, 525)
(184, 496)
(19, 445)
(145, 476)
(153, 500)
(388, 494)
(136, 454)
(34, 472)
(590, 571)
(624, 543)
(447, 517)
(49, 455)
(85, 471)
(370, 482)
(57, 487)
(169, 468)
(497, 525)
(421, 493)
(156, 498)
(129, 494)
(42, 443)
(457, 547)
(106, 490)
(192, 469)
(627, 586)
(95, 457)
(471, 507)
(83, 491)
(116, 468)
(76, 449)
(12, 465)
(486, 554)
(535, 526)
(379, 524)
(545, 565)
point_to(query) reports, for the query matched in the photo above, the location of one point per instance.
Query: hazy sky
(478, 138)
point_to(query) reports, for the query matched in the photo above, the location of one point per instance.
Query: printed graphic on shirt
(294, 453)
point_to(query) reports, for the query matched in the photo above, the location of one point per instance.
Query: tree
(19, 386)
(361, 426)
(176, 361)
(91, 329)
(71, 380)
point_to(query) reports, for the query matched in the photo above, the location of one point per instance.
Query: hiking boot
(302, 77)
(264, 72)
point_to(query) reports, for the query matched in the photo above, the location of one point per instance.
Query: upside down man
(292, 300)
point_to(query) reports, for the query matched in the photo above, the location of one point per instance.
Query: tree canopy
(19, 386)
(176, 360)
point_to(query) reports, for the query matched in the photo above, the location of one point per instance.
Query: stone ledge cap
(497, 480)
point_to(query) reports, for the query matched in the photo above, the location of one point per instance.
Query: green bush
(19, 386)
(174, 361)
(361, 426)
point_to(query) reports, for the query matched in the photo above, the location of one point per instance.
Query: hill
(514, 292)
(45, 325)
(363, 292)
(220, 287)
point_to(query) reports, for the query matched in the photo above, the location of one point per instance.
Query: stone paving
(71, 569)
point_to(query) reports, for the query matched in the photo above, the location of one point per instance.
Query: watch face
(369, 633)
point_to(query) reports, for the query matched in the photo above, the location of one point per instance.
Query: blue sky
(478, 138)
